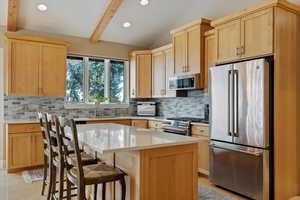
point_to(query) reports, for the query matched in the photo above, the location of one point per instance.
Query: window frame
(107, 67)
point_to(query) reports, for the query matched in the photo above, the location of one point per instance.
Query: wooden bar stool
(48, 155)
(59, 160)
(80, 175)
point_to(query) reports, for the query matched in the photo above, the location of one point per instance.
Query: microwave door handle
(236, 103)
(229, 103)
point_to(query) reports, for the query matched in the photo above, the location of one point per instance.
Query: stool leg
(95, 191)
(45, 174)
(61, 182)
(123, 185)
(53, 182)
(68, 190)
(50, 172)
(103, 191)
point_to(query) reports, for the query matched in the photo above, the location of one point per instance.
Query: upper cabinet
(162, 70)
(210, 53)
(140, 74)
(35, 66)
(188, 48)
(247, 36)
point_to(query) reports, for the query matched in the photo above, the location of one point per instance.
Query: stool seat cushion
(98, 173)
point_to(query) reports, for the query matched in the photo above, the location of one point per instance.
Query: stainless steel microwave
(185, 82)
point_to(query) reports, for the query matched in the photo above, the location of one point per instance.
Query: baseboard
(2, 164)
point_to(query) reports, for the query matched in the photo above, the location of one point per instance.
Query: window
(96, 80)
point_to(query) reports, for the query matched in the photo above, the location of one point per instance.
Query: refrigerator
(241, 105)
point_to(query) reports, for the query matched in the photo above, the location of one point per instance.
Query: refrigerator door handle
(236, 103)
(230, 125)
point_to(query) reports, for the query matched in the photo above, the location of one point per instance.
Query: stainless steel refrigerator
(241, 105)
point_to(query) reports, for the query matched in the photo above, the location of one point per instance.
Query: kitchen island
(159, 166)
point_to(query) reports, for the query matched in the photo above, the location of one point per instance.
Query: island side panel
(169, 173)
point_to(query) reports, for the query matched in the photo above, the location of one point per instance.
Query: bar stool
(59, 160)
(82, 176)
(52, 161)
(48, 155)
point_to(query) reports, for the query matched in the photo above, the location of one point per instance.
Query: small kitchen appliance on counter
(146, 109)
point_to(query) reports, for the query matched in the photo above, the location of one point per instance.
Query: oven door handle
(238, 150)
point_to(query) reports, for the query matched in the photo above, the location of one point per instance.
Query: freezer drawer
(240, 169)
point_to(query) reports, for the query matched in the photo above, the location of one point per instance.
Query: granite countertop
(16, 121)
(104, 138)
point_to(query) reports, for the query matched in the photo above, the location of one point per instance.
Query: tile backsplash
(191, 106)
(25, 108)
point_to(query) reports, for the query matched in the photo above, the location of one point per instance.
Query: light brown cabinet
(24, 146)
(158, 74)
(34, 66)
(210, 53)
(188, 48)
(140, 74)
(201, 132)
(246, 37)
(139, 123)
(162, 70)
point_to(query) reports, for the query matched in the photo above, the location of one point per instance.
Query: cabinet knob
(237, 51)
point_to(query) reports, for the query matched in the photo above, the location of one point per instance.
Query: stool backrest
(69, 144)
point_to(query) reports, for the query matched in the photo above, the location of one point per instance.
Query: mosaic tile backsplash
(25, 108)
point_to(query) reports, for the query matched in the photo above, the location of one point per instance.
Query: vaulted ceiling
(150, 24)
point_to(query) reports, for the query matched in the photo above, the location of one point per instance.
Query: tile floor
(13, 187)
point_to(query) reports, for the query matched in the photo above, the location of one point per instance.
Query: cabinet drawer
(23, 128)
(199, 130)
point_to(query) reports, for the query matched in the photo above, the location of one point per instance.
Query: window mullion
(107, 78)
(86, 78)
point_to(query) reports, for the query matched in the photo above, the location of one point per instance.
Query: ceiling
(150, 24)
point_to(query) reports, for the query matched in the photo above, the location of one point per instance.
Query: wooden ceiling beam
(13, 8)
(105, 19)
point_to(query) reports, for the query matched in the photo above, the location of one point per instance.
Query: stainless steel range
(180, 125)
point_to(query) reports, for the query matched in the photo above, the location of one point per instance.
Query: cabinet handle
(133, 92)
(242, 50)
(238, 51)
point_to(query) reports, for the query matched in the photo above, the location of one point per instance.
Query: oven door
(240, 169)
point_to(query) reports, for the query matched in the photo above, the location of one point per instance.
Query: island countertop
(104, 138)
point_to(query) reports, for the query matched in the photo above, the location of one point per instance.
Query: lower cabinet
(201, 132)
(139, 123)
(24, 149)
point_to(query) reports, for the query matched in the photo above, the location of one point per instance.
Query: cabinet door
(139, 123)
(193, 50)
(19, 150)
(203, 155)
(228, 41)
(210, 55)
(144, 72)
(169, 72)
(257, 34)
(23, 68)
(37, 149)
(53, 71)
(158, 75)
(133, 76)
(180, 52)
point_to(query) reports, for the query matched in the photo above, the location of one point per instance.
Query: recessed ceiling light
(144, 2)
(126, 24)
(42, 7)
